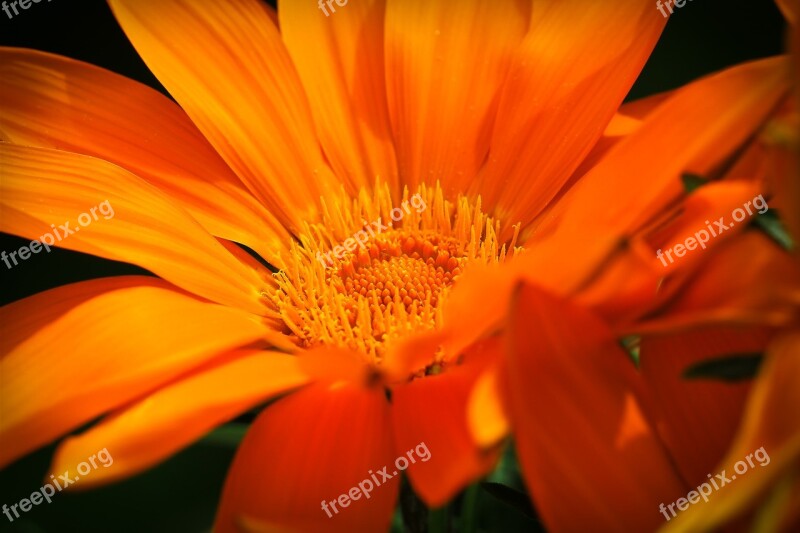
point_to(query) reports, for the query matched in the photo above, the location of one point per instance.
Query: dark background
(702, 37)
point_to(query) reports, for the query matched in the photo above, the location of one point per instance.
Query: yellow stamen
(372, 272)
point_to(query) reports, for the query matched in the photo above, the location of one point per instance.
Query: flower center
(370, 273)
(399, 269)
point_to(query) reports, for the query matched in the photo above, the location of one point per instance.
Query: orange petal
(443, 80)
(789, 8)
(339, 58)
(432, 410)
(142, 434)
(625, 121)
(460, 329)
(769, 439)
(648, 272)
(783, 170)
(588, 453)
(51, 101)
(690, 133)
(309, 448)
(749, 279)
(486, 413)
(105, 342)
(333, 364)
(242, 93)
(699, 410)
(561, 92)
(42, 188)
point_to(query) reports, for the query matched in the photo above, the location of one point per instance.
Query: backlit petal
(563, 88)
(443, 80)
(42, 189)
(75, 352)
(242, 92)
(51, 101)
(339, 57)
(144, 433)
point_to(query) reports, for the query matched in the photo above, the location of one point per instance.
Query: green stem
(469, 509)
(437, 520)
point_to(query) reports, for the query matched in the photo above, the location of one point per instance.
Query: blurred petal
(51, 101)
(697, 410)
(749, 279)
(486, 413)
(789, 8)
(770, 434)
(150, 430)
(104, 343)
(589, 455)
(42, 188)
(243, 93)
(648, 272)
(306, 449)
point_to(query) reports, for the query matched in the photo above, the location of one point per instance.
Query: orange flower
(464, 124)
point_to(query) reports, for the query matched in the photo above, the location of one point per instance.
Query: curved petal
(487, 415)
(308, 452)
(789, 10)
(749, 279)
(339, 57)
(94, 346)
(243, 93)
(151, 429)
(51, 101)
(571, 73)
(704, 122)
(647, 274)
(42, 188)
(433, 410)
(443, 80)
(628, 119)
(769, 440)
(588, 452)
(692, 411)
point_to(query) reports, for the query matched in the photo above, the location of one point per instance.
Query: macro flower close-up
(399, 265)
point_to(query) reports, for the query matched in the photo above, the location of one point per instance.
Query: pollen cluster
(373, 271)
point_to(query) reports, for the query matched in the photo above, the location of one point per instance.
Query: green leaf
(692, 182)
(516, 499)
(229, 435)
(770, 223)
(730, 368)
(631, 346)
